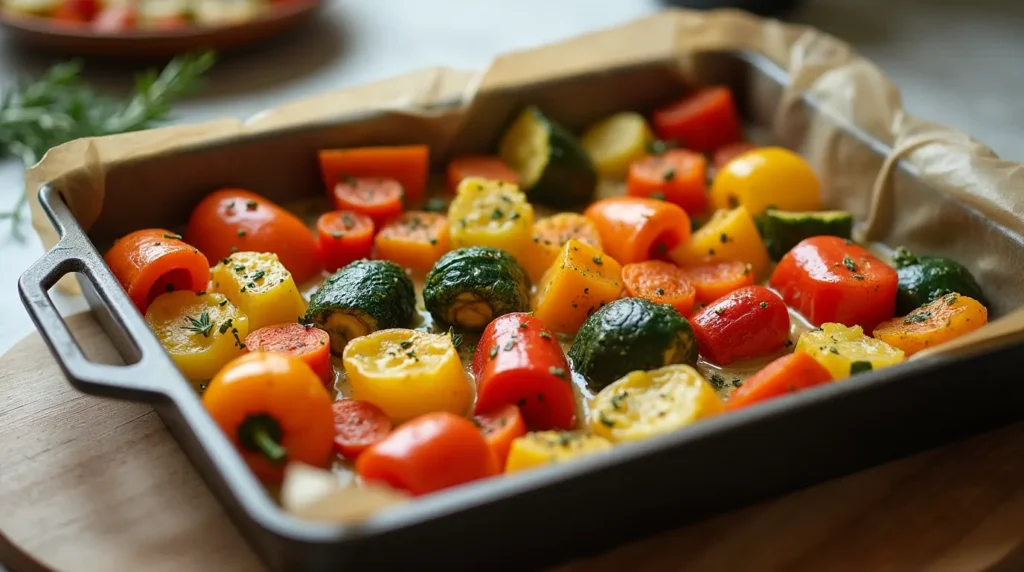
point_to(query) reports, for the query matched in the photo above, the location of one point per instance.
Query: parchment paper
(849, 91)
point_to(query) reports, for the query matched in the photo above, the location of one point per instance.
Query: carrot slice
(408, 165)
(714, 280)
(357, 426)
(661, 282)
(378, 198)
(550, 235)
(150, 262)
(483, 166)
(938, 321)
(500, 427)
(345, 236)
(702, 121)
(311, 345)
(787, 374)
(678, 176)
(725, 154)
(416, 239)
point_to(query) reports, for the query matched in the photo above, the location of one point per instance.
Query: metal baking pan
(554, 513)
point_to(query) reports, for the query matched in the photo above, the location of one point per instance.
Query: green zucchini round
(631, 334)
(361, 298)
(553, 167)
(923, 279)
(783, 230)
(469, 287)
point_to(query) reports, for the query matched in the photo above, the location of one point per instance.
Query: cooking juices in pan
(521, 316)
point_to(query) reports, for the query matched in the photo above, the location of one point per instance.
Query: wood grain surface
(95, 484)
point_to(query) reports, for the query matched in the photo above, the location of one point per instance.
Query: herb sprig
(60, 107)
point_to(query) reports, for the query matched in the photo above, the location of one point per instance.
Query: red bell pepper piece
(749, 322)
(829, 279)
(702, 121)
(519, 361)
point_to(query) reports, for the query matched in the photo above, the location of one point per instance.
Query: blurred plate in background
(148, 28)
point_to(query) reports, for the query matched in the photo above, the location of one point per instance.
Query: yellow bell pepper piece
(550, 235)
(845, 351)
(407, 373)
(615, 142)
(201, 332)
(580, 281)
(539, 448)
(729, 235)
(490, 213)
(260, 286)
(767, 177)
(644, 404)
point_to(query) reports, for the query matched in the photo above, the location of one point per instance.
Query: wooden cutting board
(94, 484)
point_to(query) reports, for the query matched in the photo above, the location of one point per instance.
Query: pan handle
(147, 363)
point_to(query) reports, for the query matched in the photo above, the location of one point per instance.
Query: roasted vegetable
(782, 230)
(304, 342)
(490, 213)
(230, 220)
(151, 262)
(788, 374)
(550, 235)
(730, 235)
(703, 120)
(941, 320)
(407, 373)
(845, 351)
(200, 331)
(628, 335)
(414, 240)
(500, 427)
(923, 279)
(660, 282)
(357, 426)
(677, 176)
(747, 323)
(713, 280)
(519, 362)
(261, 288)
(828, 279)
(469, 287)
(580, 281)
(344, 237)
(363, 297)
(553, 168)
(427, 454)
(767, 177)
(378, 198)
(408, 164)
(479, 166)
(615, 142)
(275, 410)
(635, 229)
(541, 448)
(644, 404)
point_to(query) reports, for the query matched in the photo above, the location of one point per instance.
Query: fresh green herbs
(200, 325)
(59, 107)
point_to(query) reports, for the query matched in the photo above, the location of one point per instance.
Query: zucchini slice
(469, 287)
(631, 334)
(361, 298)
(782, 230)
(923, 279)
(553, 168)
(615, 142)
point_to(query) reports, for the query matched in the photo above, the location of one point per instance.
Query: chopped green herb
(173, 236)
(225, 326)
(660, 291)
(723, 238)
(858, 277)
(833, 350)
(949, 299)
(719, 311)
(669, 174)
(509, 345)
(257, 275)
(405, 344)
(493, 352)
(201, 293)
(239, 268)
(918, 318)
(202, 325)
(497, 214)
(860, 366)
(545, 335)
(558, 372)
(605, 420)
(241, 232)
(717, 380)
(849, 264)
(598, 261)
(251, 205)
(617, 400)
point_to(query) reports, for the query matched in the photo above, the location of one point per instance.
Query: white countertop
(957, 62)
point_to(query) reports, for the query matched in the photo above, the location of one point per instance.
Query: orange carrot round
(678, 176)
(344, 237)
(634, 229)
(549, 236)
(661, 282)
(713, 280)
(484, 166)
(408, 164)
(150, 262)
(231, 220)
(378, 198)
(311, 345)
(358, 425)
(500, 427)
(788, 374)
(416, 239)
(938, 321)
